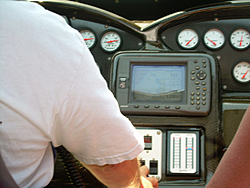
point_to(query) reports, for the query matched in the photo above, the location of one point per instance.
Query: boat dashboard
(183, 80)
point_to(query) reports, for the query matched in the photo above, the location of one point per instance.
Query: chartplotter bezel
(189, 73)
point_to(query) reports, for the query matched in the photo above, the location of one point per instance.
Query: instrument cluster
(110, 41)
(227, 39)
(213, 38)
(220, 30)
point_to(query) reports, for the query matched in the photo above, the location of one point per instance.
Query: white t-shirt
(51, 90)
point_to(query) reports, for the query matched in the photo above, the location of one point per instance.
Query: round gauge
(110, 41)
(240, 39)
(241, 72)
(188, 38)
(88, 37)
(214, 39)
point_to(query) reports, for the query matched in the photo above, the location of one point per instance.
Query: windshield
(147, 9)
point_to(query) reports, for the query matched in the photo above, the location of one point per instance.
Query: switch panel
(183, 153)
(152, 154)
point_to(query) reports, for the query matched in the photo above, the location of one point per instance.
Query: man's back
(52, 91)
(31, 93)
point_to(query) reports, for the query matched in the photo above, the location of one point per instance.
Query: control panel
(152, 154)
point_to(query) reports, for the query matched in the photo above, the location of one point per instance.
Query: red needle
(88, 39)
(241, 40)
(112, 41)
(189, 41)
(212, 42)
(245, 74)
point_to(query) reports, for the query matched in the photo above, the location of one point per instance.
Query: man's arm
(234, 168)
(122, 175)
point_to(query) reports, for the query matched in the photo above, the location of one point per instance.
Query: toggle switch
(153, 167)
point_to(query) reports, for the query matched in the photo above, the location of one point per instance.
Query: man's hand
(125, 174)
(148, 182)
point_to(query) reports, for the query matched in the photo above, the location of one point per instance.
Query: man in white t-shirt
(51, 90)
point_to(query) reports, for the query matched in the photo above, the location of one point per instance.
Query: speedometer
(88, 37)
(214, 39)
(188, 38)
(241, 72)
(111, 41)
(240, 39)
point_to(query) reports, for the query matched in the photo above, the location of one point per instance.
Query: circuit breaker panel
(152, 154)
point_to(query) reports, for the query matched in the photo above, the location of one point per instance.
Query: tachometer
(88, 37)
(214, 39)
(241, 72)
(111, 41)
(188, 38)
(240, 39)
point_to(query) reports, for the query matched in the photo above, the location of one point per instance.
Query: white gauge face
(88, 37)
(240, 39)
(110, 41)
(214, 39)
(241, 72)
(188, 38)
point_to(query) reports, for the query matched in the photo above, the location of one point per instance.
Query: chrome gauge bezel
(241, 71)
(240, 39)
(89, 37)
(214, 38)
(110, 41)
(188, 38)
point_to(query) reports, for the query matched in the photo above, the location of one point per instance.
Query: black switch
(153, 167)
(142, 162)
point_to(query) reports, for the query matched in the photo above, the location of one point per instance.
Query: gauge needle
(212, 42)
(241, 40)
(245, 74)
(88, 39)
(190, 41)
(112, 41)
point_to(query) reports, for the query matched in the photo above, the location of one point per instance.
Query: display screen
(158, 83)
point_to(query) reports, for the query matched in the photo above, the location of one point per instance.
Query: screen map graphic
(158, 83)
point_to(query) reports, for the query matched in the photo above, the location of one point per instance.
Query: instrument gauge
(240, 39)
(241, 72)
(88, 37)
(188, 38)
(214, 39)
(111, 41)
